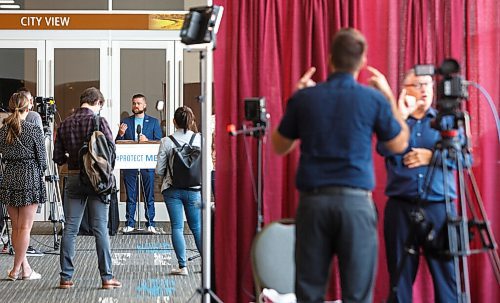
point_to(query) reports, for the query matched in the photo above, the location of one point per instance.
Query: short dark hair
(91, 96)
(139, 96)
(347, 50)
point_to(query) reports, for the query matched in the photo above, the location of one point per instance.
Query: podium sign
(133, 155)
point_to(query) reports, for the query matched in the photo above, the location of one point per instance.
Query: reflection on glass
(63, 4)
(17, 69)
(74, 71)
(191, 84)
(142, 71)
(177, 5)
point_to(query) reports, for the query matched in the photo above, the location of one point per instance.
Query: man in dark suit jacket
(139, 127)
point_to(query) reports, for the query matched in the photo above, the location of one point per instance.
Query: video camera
(451, 90)
(255, 111)
(46, 107)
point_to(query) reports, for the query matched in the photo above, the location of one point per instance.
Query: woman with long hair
(180, 199)
(22, 187)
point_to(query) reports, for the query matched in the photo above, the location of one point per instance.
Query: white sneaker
(33, 276)
(152, 230)
(127, 229)
(180, 271)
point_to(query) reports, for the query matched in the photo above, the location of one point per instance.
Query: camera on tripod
(451, 90)
(46, 107)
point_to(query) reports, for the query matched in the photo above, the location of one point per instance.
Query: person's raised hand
(378, 81)
(122, 128)
(305, 80)
(406, 104)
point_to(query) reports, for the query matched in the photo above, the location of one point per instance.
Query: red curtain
(265, 45)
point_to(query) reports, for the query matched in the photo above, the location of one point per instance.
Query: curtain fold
(264, 46)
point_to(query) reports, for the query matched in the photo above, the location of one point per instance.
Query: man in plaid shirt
(70, 138)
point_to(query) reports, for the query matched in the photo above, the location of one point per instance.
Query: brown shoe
(66, 284)
(112, 283)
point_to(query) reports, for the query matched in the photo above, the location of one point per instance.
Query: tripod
(450, 152)
(56, 212)
(5, 233)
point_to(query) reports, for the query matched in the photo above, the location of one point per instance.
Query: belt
(340, 190)
(415, 201)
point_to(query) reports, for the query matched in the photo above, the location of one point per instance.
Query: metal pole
(206, 111)
(260, 218)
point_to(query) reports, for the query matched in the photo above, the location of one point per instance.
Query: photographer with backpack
(179, 162)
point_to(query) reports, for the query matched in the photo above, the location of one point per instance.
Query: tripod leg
(5, 230)
(482, 223)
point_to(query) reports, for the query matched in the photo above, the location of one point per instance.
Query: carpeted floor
(141, 262)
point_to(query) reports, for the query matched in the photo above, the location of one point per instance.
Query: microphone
(138, 131)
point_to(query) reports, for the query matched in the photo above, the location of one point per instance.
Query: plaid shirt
(73, 132)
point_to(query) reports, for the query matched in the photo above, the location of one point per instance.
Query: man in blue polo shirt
(408, 195)
(334, 122)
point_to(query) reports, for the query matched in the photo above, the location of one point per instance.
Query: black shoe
(31, 251)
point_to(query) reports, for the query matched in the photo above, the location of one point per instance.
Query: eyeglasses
(419, 85)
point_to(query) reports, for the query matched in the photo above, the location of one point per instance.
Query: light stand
(200, 27)
(258, 131)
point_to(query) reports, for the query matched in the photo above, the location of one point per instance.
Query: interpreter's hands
(417, 157)
(379, 82)
(305, 80)
(406, 104)
(122, 128)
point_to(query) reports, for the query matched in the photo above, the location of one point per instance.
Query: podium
(131, 154)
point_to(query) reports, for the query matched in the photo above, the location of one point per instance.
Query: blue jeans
(177, 200)
(148, 180)
(76, 197)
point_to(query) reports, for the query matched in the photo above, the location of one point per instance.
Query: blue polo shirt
(410, 183)
(335, 121)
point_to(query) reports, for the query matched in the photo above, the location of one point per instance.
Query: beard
(138, 111)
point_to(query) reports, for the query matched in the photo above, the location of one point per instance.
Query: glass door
(73, 66)
(21, 65)
(143, 67)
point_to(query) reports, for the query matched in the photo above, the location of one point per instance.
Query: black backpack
(97, 160)
(186, 164)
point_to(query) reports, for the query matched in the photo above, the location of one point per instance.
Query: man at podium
(139, 127)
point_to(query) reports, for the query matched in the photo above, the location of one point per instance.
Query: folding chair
(273, 257)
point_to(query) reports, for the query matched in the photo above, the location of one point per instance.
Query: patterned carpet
(141, 262)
